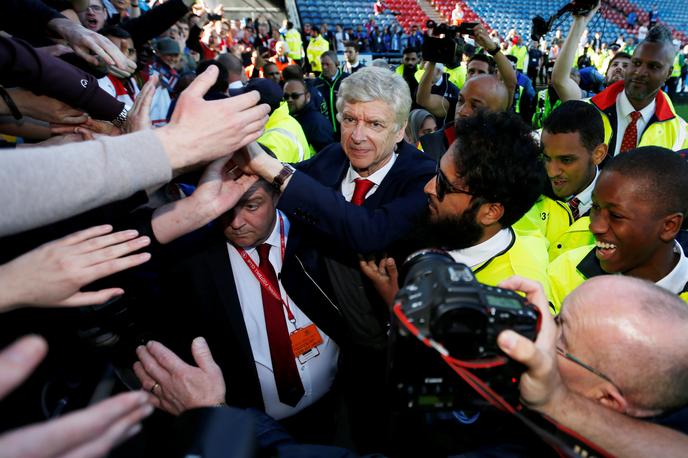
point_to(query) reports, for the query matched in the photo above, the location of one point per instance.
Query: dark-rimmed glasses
(293, 95)
(564, 354)
(444, 187)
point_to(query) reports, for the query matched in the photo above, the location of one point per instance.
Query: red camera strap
(565, 442)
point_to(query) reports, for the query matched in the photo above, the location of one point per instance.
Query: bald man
(480, 93)
(614, 366)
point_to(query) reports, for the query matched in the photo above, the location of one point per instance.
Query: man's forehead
(662, 53)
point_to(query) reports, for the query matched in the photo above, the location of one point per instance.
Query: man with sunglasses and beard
(487, 180)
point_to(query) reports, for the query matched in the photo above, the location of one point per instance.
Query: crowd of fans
(205, 217)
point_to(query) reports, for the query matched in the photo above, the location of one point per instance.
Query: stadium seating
(501, 16)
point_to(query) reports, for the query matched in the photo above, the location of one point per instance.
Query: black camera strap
(565, 442)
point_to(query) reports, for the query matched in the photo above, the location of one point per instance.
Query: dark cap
(270, 92)
(167, 45)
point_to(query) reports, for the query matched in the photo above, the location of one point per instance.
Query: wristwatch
(495, 51)
(281, 177)
(121, 118)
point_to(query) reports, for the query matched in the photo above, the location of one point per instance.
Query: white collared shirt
(585, 196)
(348, 183)
(478, 254)
(317, 374)
(235, 85)
(623, 118)
(678, 277)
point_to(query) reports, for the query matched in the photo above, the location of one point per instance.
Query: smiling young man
(573, 147)
(638, 207)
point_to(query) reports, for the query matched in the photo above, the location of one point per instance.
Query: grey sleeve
(41, 185)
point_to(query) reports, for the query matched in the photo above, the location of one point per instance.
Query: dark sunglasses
(293, 95)
(444, 187)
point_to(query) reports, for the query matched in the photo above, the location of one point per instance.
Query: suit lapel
(223, 280)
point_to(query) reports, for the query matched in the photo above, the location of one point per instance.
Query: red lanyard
(264, 282)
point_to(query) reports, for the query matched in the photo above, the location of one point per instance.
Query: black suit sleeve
(25, 66)
(26, 18)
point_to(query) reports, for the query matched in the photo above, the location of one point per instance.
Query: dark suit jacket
(314, 200)
(198, 297)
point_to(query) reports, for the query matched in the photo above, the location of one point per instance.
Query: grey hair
(375, 83)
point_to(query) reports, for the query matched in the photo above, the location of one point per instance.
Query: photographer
(638, 343)
(438, 105)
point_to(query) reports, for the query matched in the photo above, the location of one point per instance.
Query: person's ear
(671, 225)
(490, 213)
(599, 153)
(609, 396)
(307, 95)
(399, 136)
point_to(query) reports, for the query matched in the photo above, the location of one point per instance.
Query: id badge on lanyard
(304, 341)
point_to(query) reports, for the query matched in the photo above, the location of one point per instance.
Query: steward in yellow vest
(573, 147)
(666, 128)
(293, 39)
(639, 205)
(316, 47)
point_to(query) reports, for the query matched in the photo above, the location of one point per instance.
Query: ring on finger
(152, 390)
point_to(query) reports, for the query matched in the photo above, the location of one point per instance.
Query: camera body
(576, 7)
(445, 45)
(446, 303)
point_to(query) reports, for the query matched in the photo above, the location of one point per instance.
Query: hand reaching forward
(541, 384)
(178, 386)
(86, 433)
(385, 277)
(53, 273)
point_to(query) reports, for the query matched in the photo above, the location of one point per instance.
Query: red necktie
(289, 387)
(360, 191)
(573, 205)
(630, 138)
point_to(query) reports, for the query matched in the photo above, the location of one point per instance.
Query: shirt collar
(376, 177)
(478, 254)
(625, 108)
(236, 85)
(678, 277)
(585, 196)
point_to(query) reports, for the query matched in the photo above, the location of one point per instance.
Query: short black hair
(351, 44)
(292, 72)
(221, 83)
(290, 25)
(409, 51)
(577, 116)
(664, 172)
(492, 66)
(499, 161)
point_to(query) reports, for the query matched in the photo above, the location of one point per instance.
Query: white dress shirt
(348, 183)
(478, 254)
(317, 374)
(585, 196)
(678, 277)
(623, 118)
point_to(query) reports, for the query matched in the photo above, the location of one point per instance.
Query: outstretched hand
(541, 384)
(385, 277)
(178, 386)
(54, 273)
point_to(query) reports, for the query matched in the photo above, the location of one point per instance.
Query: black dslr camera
(577, 8)
(445, 302)
(444, 44)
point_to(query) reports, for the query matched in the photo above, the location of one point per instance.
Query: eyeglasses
(563, 353)
(293, 95)
(444, 187)
(95, 8)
